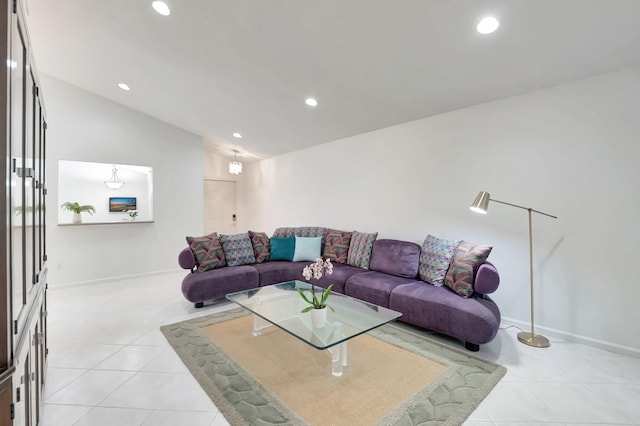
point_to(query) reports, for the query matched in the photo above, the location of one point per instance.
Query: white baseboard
(111, 279)
(551, 332)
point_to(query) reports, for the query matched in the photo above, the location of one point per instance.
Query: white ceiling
(214, 67)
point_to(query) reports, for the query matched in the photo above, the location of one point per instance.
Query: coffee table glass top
(280, 305)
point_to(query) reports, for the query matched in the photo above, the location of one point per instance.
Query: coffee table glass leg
(343, 353)
(336, 361)
(338, 358)
(257, 325)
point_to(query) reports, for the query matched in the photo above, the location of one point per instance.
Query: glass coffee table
(280, 305)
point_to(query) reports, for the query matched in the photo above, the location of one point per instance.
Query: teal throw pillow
(282, 248)
(307, 248)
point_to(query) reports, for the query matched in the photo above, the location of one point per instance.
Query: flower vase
(77, 218)
(318, 317)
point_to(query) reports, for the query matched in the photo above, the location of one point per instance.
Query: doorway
(219, 206)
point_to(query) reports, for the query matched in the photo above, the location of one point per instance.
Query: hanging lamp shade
(114, 182)
(235, 166)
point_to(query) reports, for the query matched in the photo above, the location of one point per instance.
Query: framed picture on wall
(122, 204)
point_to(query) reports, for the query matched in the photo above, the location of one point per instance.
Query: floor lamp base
(534, 340)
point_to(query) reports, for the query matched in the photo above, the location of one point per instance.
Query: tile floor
(110, 365)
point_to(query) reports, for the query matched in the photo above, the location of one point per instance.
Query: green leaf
(301, 292)
(307, 309)
(325, 296)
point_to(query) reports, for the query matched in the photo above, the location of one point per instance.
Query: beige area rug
(393, 376)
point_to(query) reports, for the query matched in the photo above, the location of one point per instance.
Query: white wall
(86, 127)
(570, 150)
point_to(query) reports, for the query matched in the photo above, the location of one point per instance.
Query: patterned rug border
(448, 400)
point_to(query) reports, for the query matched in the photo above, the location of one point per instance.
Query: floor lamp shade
(481, 205)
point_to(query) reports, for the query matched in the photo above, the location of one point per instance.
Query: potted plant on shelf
(132, 214)
(77, 209)
(318, 305)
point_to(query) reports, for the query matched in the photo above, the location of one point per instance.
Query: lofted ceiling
(215, 67)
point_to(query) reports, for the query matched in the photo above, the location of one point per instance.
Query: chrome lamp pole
(480, 205)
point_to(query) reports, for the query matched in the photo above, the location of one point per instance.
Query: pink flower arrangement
(315, 270)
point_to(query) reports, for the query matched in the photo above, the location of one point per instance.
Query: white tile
(625, 398)
(130, 358)
(144, 390)
(514, 402)
(574, 402)
(219, 421)
(103, 416)
(90, 388)
(57, 378)
(153, 337)
(62, 415)
(86, 356)
(166, 362)
(528, 424)
(480, 414)
(188, 396)
(95, 324)
(179, 418)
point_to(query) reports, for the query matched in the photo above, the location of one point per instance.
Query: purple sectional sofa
(391, 281)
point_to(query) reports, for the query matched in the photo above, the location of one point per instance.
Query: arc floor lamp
(481, 205)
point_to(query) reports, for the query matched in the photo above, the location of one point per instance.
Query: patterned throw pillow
(360, 249)
(435, 256)
(207, 251)
(284, 233)
(336, 245)
(261, 246)
(466, 260)
(238, 249)
(300, 231)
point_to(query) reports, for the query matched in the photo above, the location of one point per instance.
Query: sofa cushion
(307, 249)
(373, 287)
(395, 257)
(238, 249)
(261, 246)
(207, 251)
(215, 284)
(336, 245)
(360, 249)
(466, 260)
(282, 248)
(278, 271)
(341, 273)
(300, 231)
(475, 320)
(435, 257)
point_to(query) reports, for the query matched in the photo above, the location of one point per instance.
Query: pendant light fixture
(114, 182)
(235, 167)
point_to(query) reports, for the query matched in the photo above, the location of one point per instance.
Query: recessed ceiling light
(311, 102)
(161, 7)
(488, 25)
(237, 135)
(124, 86)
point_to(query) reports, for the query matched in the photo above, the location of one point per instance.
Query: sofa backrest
(400, 258)
(301, 231)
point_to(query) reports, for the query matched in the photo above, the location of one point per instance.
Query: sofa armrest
(487, 279)
(187, 260)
